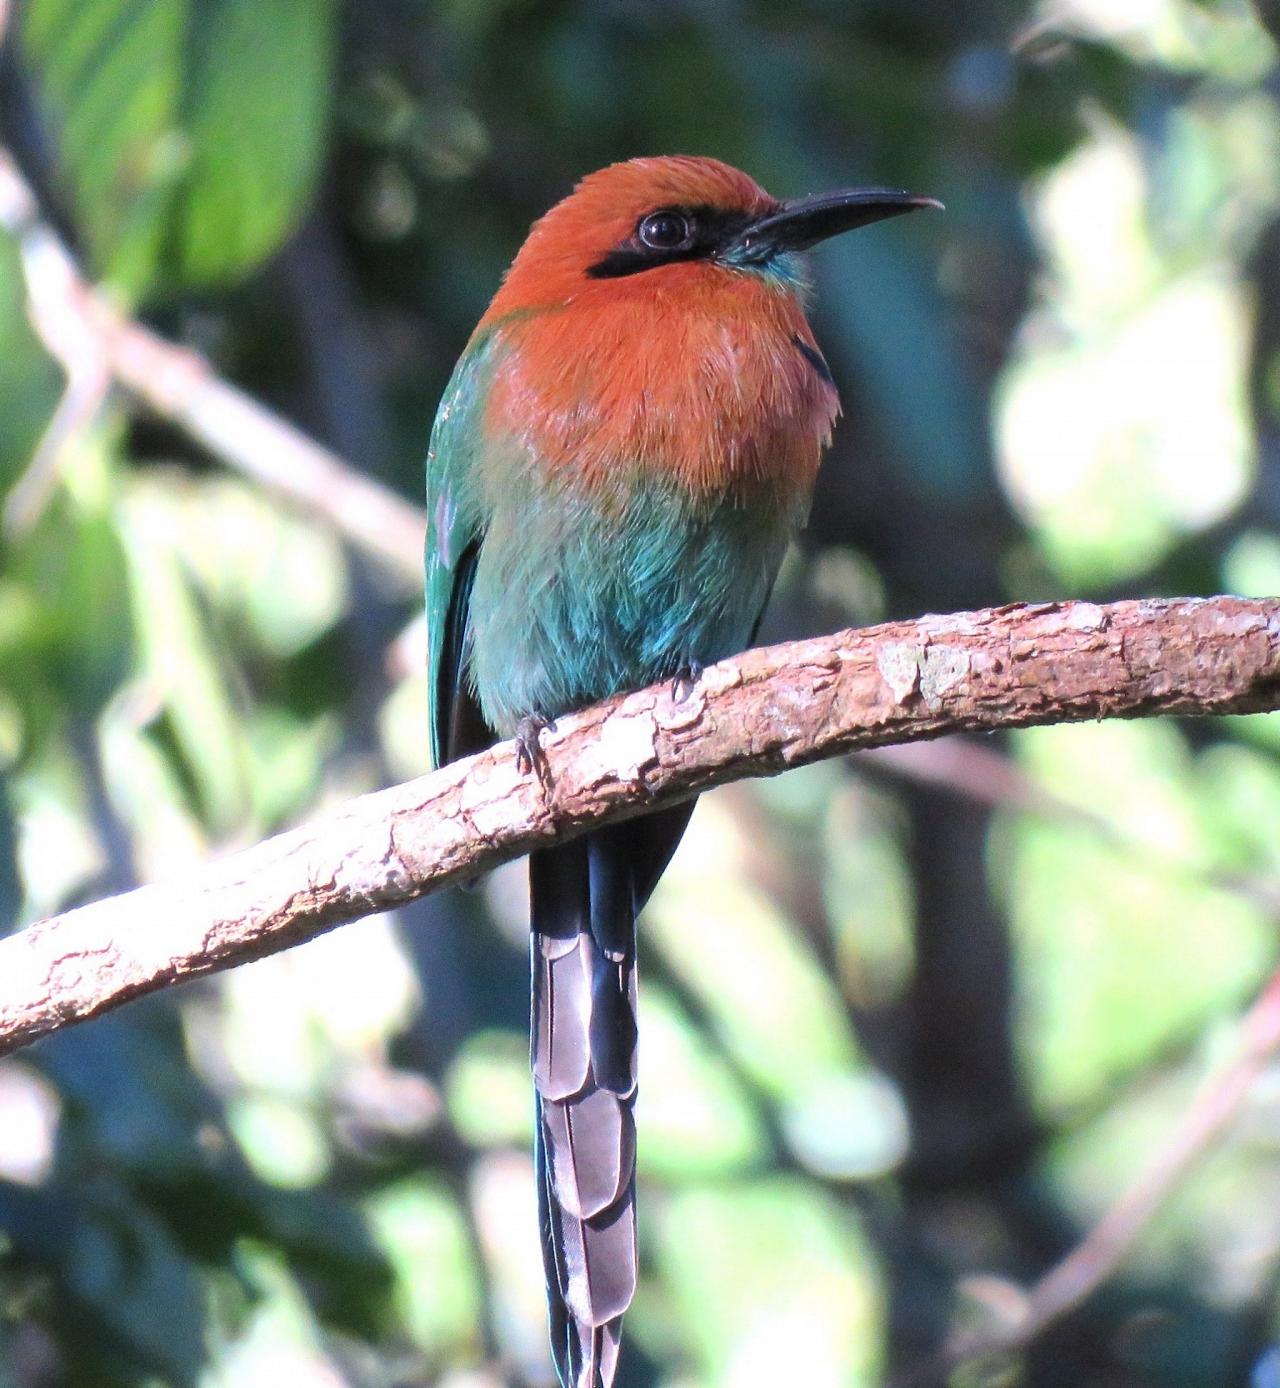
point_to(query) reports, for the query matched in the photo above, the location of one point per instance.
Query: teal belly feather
(579, 595)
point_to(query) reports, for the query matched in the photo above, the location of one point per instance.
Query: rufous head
(644, 217)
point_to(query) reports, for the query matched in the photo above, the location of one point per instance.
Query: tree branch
(753, 715)
(1092, 1261)
(95, 344)
(978, 772)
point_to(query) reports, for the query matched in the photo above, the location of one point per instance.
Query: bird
(622, 455)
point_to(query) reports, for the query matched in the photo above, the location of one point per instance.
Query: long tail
(584, 899)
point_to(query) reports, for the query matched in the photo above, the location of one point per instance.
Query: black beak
(803, 222)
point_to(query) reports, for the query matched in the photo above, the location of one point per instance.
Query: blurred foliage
(189, 135)
(899, 1049)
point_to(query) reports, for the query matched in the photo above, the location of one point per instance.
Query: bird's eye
(666, 231)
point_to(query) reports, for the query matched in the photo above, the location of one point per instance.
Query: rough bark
(753, 715)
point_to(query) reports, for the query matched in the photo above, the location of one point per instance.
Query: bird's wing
(455, 531)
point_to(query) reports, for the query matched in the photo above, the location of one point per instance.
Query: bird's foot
(685, 681)
(529, 753)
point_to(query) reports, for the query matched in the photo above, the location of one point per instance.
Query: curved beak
(803, 222)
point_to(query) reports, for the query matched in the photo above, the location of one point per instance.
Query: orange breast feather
(688, 371)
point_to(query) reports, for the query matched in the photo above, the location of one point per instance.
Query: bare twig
(1101, 1251)
(986, 776)
(95, 343)
(76, 410)
(974, 771)
(753, 715)
(55, 302)
(183, 388)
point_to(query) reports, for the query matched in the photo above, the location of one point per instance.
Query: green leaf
(64, 618)
(488, 1090)
(189, 133)
(772, 1003)
(29, 381)
(1119, 953)
(258, 110)
(695, 1120)
(183, 659)
(10, 881)
(127, 1305)
(423, 1232)
(765, 1276)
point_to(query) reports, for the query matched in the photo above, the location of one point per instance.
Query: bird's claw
(529, 754)
(685, 681)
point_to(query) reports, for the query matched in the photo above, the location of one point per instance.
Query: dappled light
(911, 1025)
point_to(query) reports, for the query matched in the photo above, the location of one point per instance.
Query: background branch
(933, 991)
(756, 714)
(1099, 1253)
(96, 344)
(982, 775)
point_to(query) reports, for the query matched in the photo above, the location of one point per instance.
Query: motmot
(624, 451)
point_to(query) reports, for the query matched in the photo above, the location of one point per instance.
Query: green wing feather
(455, 529)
